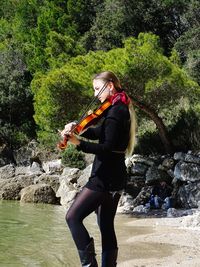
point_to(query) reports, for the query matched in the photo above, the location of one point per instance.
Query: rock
(72, 174)
(82, 180)
(192, 159)
(35, 169)
(143, 197)
(189, 195)
(149, 161)
(24, 156)
(141, 209)
(125, 204)
(10, 188)
(89, 158)
(52, 180)
(23, 180)
(167, 164)
(39, 193)
(136, 181)
(187, 171)
(7, 171)
(53, 167)
(11, 191)
(179, 156)
(21, 170)
(153, 175)
(66, 192)
(172, 212)
(138, 169)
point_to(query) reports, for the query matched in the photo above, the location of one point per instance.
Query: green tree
(116, 20)
(42, 28)
(157, 85)
(188, 45)
(16, 112)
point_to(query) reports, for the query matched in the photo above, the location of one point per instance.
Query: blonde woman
(102, 192)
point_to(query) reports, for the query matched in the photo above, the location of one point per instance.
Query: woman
(102, 192)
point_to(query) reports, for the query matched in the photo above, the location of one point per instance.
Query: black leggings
(105, 205)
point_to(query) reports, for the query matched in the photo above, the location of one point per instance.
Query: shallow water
(35, 235)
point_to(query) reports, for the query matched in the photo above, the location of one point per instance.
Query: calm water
(35, 235)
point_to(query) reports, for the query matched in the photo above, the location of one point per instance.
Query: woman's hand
(73, 139)
(68, 129)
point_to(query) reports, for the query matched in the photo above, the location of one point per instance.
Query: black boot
(109, 258)
(87, 256)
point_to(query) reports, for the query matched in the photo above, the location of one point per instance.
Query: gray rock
(179, 156)
(35, 169)
(52, 180)
(7, 171)
(66, 192)
(138, 168)
(11, 191)
(154, 175)
(24, 155)
(72, 174)
(141, 159)
(82, 180)
(167, 163)
(187, 171)
(136, 181)
(192, 159)
(39, 193)
(172, 212)
(53, 167)
(189, 195)
(21, 170)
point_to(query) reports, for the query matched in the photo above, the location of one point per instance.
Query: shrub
(70, 157)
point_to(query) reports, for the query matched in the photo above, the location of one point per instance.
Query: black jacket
(108, 170)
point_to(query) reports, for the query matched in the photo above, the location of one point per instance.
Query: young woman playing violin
(101, 194)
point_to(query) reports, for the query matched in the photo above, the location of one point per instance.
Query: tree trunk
(159, 124)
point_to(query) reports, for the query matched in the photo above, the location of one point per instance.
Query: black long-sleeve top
(108, 170)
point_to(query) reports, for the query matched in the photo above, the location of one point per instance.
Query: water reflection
(35, 235)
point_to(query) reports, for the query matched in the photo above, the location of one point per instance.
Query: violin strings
(90, 104)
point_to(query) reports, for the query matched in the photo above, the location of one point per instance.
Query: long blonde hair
(107, 76)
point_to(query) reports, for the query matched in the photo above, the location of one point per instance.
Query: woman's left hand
(73, 139)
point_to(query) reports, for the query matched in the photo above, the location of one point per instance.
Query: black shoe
(109, 258)
(87, 256)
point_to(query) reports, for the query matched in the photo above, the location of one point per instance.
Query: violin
(86, 122)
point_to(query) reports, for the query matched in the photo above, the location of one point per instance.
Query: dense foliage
(49, 51)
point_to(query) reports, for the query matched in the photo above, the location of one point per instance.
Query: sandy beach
(166, 242)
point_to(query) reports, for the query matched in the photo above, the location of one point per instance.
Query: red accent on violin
(86, 122)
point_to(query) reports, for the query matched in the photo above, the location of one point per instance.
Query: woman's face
(107, 92)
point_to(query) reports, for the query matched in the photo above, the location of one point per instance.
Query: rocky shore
(31, 179)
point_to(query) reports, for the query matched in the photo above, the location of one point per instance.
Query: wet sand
(166, 242)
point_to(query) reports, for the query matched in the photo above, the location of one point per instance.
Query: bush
(70, 157)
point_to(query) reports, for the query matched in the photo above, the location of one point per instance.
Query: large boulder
(38, 193)
(188, 195)
(52, 180)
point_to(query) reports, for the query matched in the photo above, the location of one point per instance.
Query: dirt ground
(166, 242)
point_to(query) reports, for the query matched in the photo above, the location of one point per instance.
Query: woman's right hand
(68, 129)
